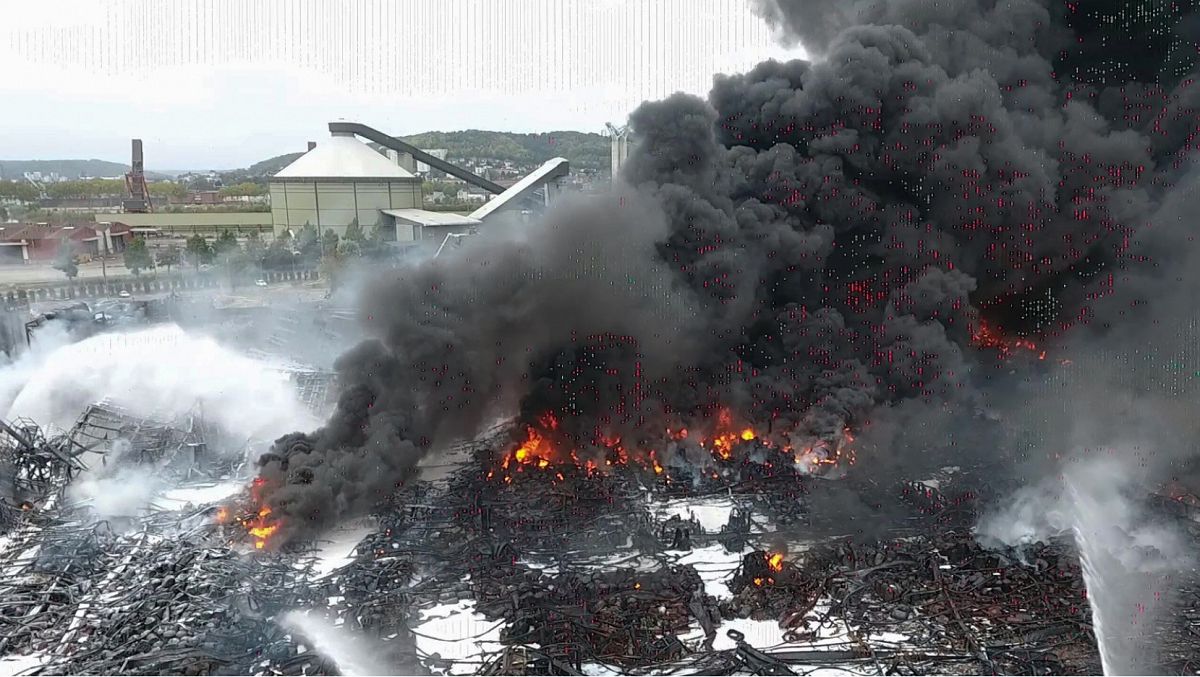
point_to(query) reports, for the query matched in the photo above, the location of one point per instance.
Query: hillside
(260, 170)
(72, 169)
(584, 150)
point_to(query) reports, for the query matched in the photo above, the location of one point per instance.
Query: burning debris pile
(616, 569)
(828, 281)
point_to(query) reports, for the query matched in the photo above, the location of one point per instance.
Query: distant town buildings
(427, 171)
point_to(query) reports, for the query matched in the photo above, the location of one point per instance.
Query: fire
(258, 523)
(541, 449)
(775, 562)
(987, 336)
(726, 436)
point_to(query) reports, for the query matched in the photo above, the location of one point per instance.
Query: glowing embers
(256, 520)
(729, 442)
(775, 561)
(987, 336)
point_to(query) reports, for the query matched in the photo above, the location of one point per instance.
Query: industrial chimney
(138, 200)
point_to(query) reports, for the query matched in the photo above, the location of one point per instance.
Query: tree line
(97, 188)
(308, 249)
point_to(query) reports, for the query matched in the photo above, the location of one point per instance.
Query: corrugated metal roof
(551, 170)
(421, 217)
(343, 157)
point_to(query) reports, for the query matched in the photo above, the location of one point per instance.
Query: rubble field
(542, 570)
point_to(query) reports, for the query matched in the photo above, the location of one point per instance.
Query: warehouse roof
(343, 157)
(548, 172)
(421, 217)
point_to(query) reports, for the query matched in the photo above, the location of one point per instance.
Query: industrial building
(339, 182)
(343, 181)
(186, 224)
(41, 242)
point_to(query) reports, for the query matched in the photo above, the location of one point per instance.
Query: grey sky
(224, 83)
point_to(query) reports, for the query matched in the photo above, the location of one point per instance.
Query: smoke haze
(896, 239)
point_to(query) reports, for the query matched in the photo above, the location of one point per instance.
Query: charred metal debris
(563, 572)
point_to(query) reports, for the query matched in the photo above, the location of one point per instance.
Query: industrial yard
(876, 355)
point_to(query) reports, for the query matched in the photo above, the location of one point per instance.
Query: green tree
(198, 251)
(167, 189)
(278, 255)
(137, 257)
(354, 232)
(168, 257)
(373, 246)
(65, 261)
(329, 243)
(246, 188)
(254, 248)
(18, 190)
(86, 188)
(349, 249)
(226, 243)
(308, 243)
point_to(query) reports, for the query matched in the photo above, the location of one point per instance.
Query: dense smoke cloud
(456, 339)
(816, 247)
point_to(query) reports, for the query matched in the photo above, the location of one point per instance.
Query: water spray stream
(1092, 579)
(351, 654)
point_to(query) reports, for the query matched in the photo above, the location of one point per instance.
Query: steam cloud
(159, 371)
(813, 247)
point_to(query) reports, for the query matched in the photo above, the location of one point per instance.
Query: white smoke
(14, 374)
(162, 371)
(353, 655)
(1129, 558)
(116, 489)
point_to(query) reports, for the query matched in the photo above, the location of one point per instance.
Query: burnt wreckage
(755, 413)
(553, 567)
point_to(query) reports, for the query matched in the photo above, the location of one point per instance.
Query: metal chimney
(137, 164)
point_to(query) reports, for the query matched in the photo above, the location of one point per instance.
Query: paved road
(38, 273)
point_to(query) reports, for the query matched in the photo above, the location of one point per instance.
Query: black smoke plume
(852, 242)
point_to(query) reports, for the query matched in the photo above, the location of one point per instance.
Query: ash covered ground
(880, 362)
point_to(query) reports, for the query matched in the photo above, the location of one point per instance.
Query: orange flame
(538, 450)
(775, 561)
(987, 336)
(257, 524)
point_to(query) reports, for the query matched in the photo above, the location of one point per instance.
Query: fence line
(23, 295)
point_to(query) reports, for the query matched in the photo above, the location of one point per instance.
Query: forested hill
(14, 170)
(584, 150)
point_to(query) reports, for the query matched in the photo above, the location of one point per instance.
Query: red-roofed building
(28, 243)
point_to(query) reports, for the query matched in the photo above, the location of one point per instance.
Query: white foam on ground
(16, 665)
(762, 635)
(177, 499)
(712, 513)
(716, 567)
(337, 549)
(457, 633)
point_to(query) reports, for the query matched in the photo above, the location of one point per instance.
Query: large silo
(339, 181)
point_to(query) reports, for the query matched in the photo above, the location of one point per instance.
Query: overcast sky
(225, 83)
